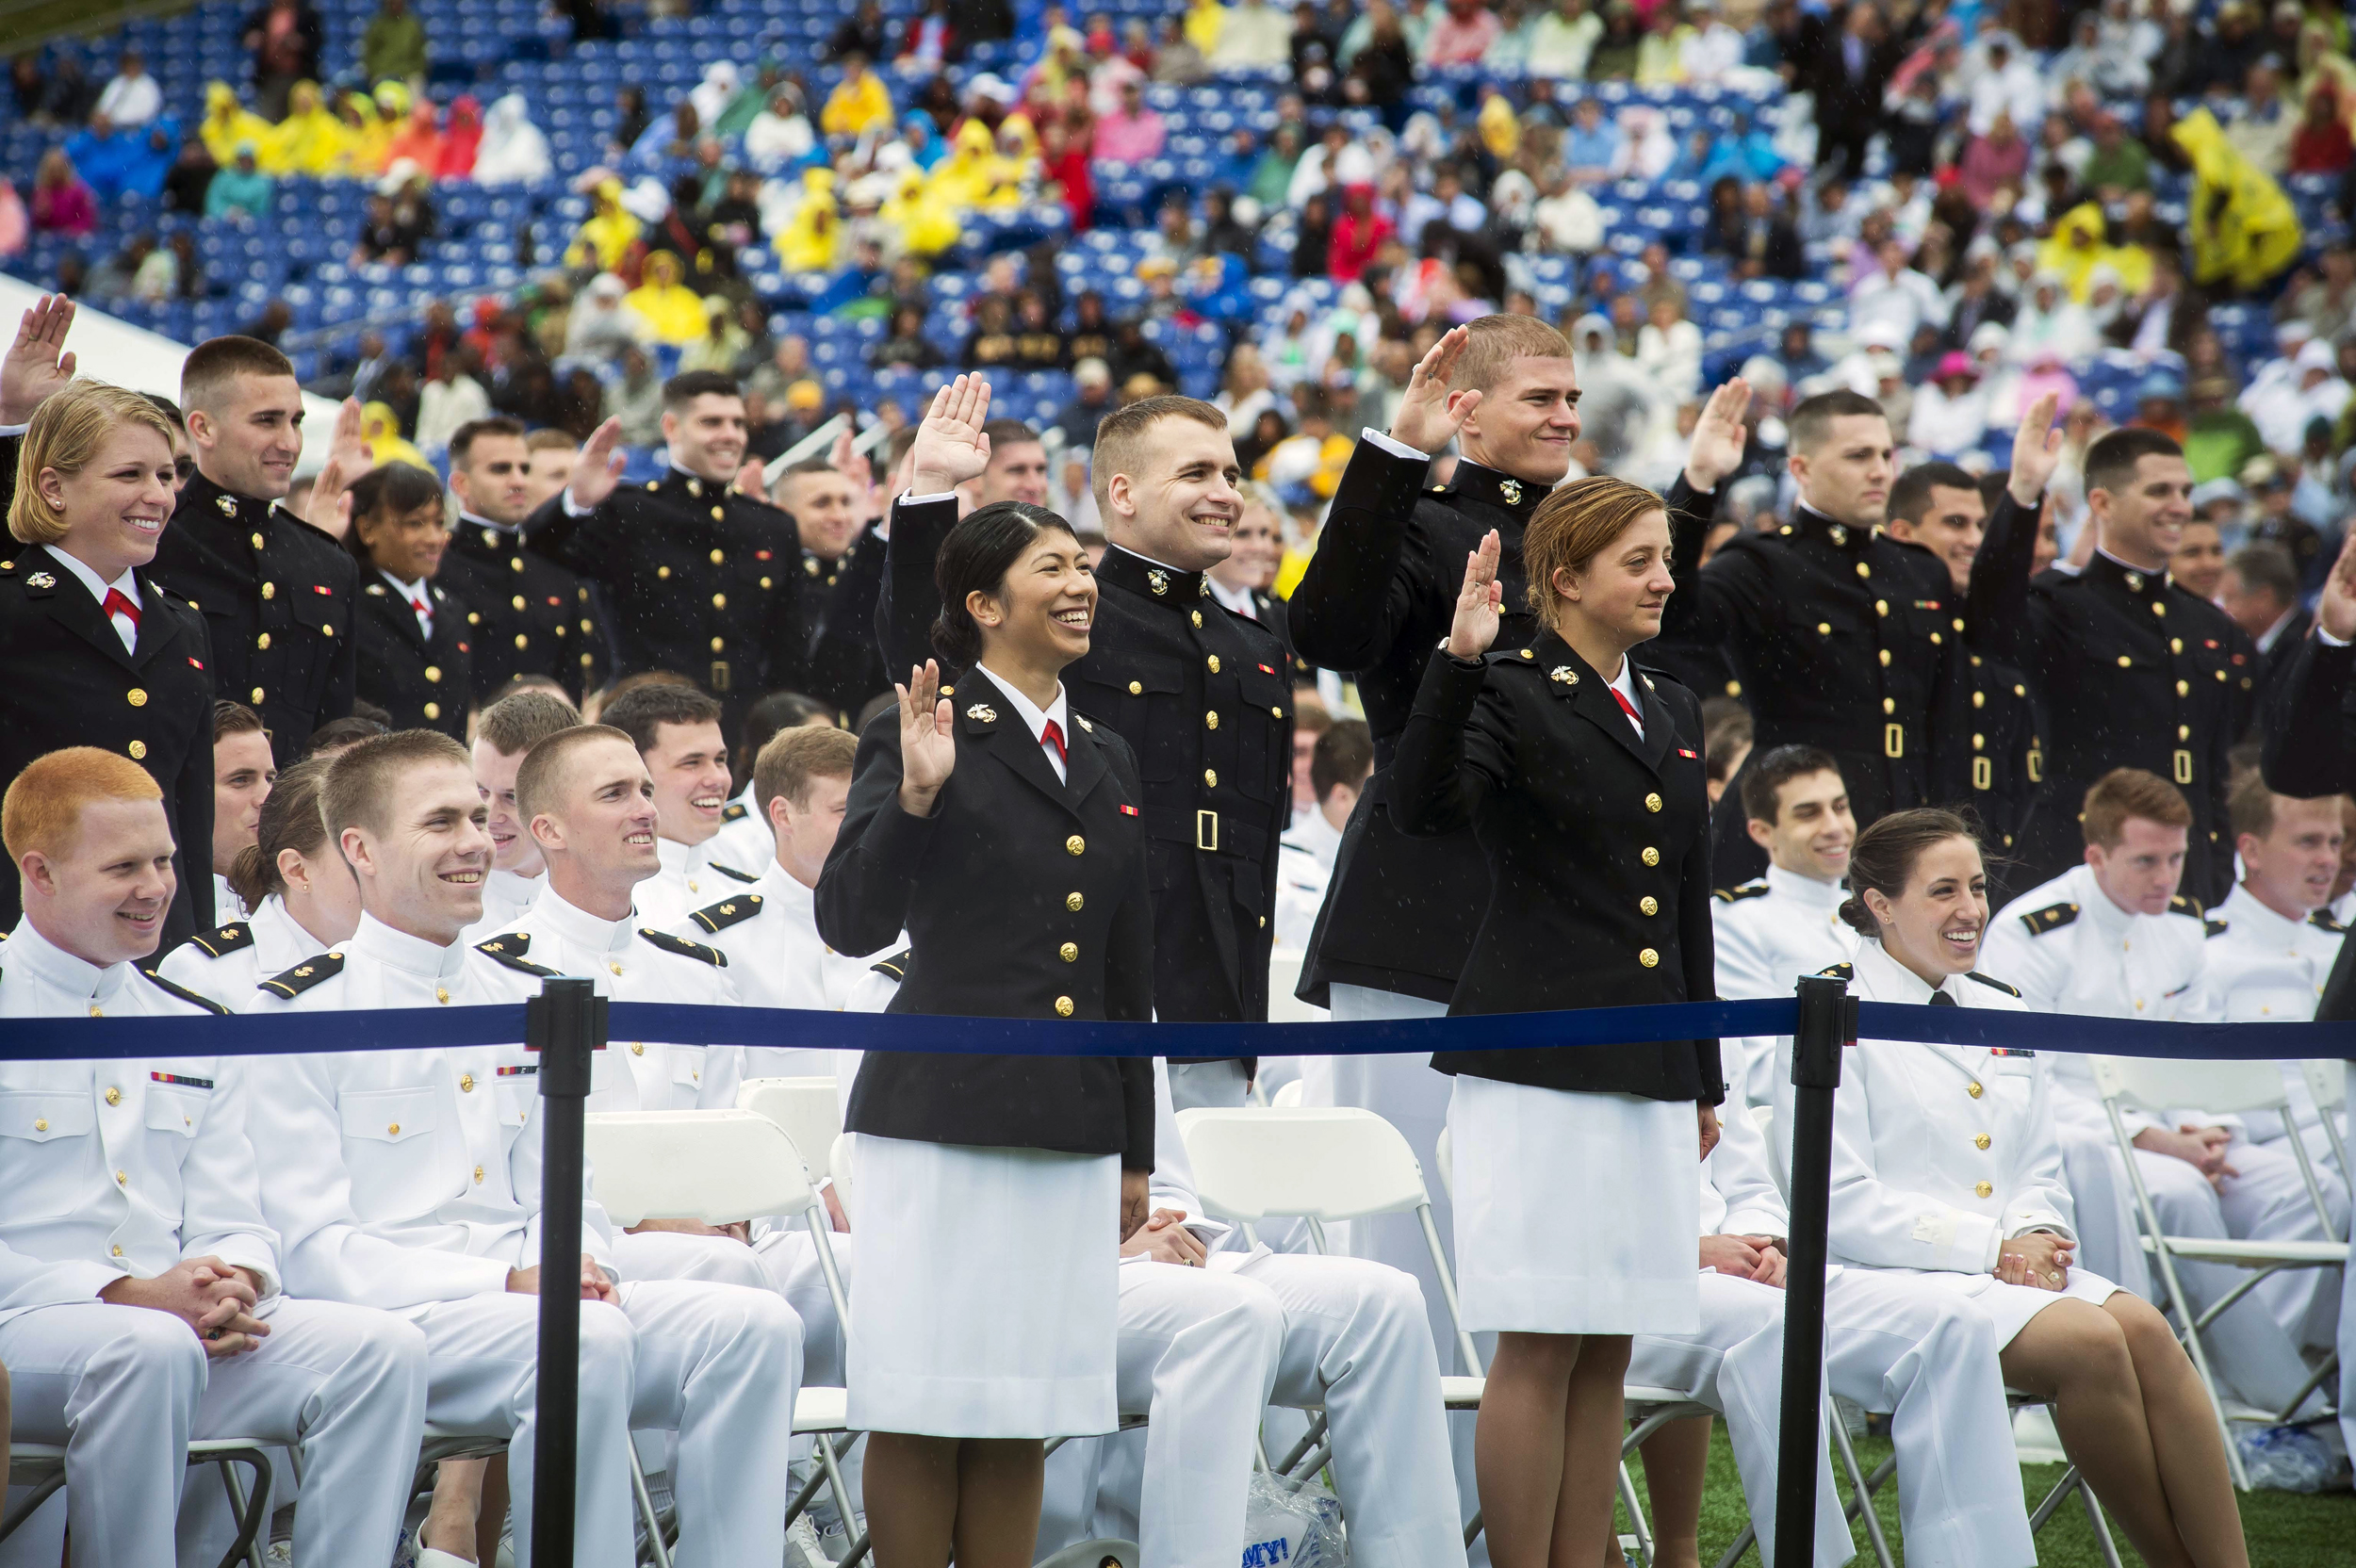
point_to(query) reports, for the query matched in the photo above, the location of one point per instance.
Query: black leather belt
(1212, 832)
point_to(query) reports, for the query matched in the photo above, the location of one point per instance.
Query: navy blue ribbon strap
(394, 1029)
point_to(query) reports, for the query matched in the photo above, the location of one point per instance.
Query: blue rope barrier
(401, 1029)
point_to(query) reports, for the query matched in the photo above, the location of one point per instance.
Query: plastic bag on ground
(1288, 1526)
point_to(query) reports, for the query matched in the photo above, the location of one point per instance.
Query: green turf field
(2284, 1529)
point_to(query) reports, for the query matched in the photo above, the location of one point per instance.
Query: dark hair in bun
(977, 556)
(1884, 857)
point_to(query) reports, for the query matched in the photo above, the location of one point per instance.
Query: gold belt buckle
(1894, 740)
(2184, 766)
(1983, 773)
(1207, 830)
(719, 675)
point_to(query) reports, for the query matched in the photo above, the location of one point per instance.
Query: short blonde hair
(1575, 525)
(1492, 343)
(42, 809)
(65, 434)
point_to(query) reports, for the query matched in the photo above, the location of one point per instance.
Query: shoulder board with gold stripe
(684, 948)
(1840, 971)
(896, 966)
(2212, 927)
(727, 912)
(2051, 919)
(510, 950)
(305, 976)
(735, 810)
(235, 937)
(184, 993)
(1990, 980)
(731, 871)
(2322, 920)
(2184, 903)
(1748, 889)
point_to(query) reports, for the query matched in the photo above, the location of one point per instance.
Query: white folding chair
(42, 1467)
(2230, 1088)
(2326, 1084)
(809, 1110)
(1288, 1098)
(722, 1167)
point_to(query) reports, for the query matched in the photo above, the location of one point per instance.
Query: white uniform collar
(779, 892)
(513, 887)
(2247, 915)
(1238, 600)
(681, 859)
(1887, 980)
(561, 918)
(1032, 715)
(410, 954)
(1804, 890)
(76, 980)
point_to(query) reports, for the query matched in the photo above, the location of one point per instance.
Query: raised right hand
(599, 467)
(928, 749)
(2036, 451)
(950, 447)
(37, 364)
(1477, 605)
(1425, 419)
(2336, 615)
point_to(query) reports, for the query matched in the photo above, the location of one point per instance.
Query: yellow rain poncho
(2244, 229)
(968, 175)
(927, 225)
(812, 241)
(674, 311)
(608, 233)
(2079, 245)
(229, 124)
(309, 141)
(855, 106)
(365, 142)
(385, 443)
(1204, 19)
(1500, 131)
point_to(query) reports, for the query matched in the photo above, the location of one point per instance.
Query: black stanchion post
(565, 1023)
(1827, 1021)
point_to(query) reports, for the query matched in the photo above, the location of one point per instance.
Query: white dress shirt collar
(1037, 717)
(1238, 600)
(127, 585)
(1887, 980)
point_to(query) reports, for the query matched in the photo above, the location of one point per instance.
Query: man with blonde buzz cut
(141, 1290)
(504, 732)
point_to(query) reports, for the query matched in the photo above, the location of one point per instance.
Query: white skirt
(2010, 1306)
(1574, 1213)
(988, 1291)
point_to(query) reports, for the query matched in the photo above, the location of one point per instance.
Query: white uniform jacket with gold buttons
(692, 876)
(114, 1167)
(2265, 969)
(420, 1169)
(1941, 1152)
(230, 962)
(1767, 934)
(627, 965)
(2067, 948)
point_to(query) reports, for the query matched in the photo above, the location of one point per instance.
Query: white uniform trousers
(2247, 1346)
(2269, 1199)
(1927, 1358)
(1220, 1086)
(1204, 1350)
(718, 1365)
(124, 1389)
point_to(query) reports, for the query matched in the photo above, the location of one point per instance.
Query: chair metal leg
(251, 1516)
(43, 1491)
(2102, 1527)
(833, 1470)
(1472, 1527)
(1637, 1524)
(1846, 1451)
(646, 1512)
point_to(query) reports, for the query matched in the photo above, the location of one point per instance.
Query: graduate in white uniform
(294, 880)
(2113, 938)
(503, 733)
(1945, 1170)
(2271, 947)
(243, 773)
(1003, 831)
(1339, 762)
(677, 729)
(1772, 931)
(1914, 1351)
(141, 1290)
(422, 1196)
(742, 841)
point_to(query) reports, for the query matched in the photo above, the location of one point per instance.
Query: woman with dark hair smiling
(1001, 831)
(1578, 1181)
(1946, 1166)
(415, 659)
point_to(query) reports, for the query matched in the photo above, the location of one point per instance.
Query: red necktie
(1626, 707)
(118, 603)
(418, 605)
(1052, 736)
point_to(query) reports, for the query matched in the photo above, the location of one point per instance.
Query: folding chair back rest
(2159, 1083)
(1288, 1098)
(718, 1166)
(808, 1109)
(839, 1166)
(1444, 1155)
(1323, 1163)
(2326, 1081)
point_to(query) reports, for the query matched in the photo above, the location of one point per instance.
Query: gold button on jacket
(1983, 1190)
